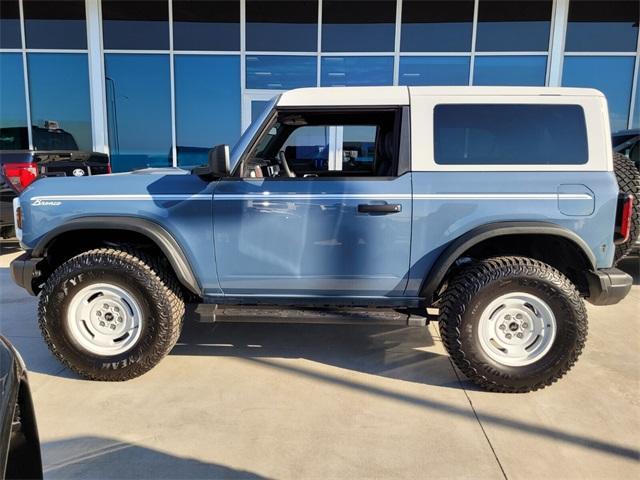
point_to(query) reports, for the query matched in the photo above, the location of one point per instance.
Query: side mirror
(219, 163)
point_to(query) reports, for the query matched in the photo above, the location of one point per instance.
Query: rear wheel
(628, 182)
(110, 314)
(512, 324)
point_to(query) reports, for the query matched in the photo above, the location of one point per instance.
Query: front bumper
(23, 270)
(608, 286)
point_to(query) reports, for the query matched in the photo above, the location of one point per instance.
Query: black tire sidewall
(564, 343)
(76, 277)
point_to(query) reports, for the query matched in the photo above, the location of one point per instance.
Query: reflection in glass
(138, 110)
(510, 70)
(206, 25)
(611, 75)
(279, 72)
(602, 26)
(516, 26)
(13, 120)
(356, 71)
(635, 121)
(10, 24)
(207, 104)
(135, 25)
(436, 26)
(55, 24)
(257, 107)
(282, 26)
(434, 71)
(358, 25)
(59, 97)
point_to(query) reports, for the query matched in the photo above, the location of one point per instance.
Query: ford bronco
(495, 211)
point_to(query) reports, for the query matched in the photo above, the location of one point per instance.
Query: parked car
(19, 441)
(494, 211)
(18, 168)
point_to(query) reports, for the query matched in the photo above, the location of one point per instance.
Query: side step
(209, 313)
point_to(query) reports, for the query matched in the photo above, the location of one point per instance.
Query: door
(336, 229)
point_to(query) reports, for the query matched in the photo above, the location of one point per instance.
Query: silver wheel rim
(104, 319)
(517, 329)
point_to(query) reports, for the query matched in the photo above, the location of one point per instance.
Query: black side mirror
(219, 163)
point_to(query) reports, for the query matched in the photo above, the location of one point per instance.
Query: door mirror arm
(219, 164)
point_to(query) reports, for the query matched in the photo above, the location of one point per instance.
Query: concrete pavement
(313, 401)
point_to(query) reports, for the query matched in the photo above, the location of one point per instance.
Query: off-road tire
(475, 286)
(628, 182)
(154, 287)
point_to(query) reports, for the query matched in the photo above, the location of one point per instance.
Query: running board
(210, 313)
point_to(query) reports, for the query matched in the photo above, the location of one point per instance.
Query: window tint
(138, 110)
(278, 72)
(602, 26)
(358, 25)
(434, 70)
(136, 25)
(10, 24)
(508, 70)
(55, 24)
(60, 107)
(282, 26)
(206, 25)
(356, 71)
(13, 121)
(436, 26)
(510, 135)
(611, 75)
(516, 26)
(207, 104)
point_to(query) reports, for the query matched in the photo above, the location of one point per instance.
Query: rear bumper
(608, 286)
(23, 270)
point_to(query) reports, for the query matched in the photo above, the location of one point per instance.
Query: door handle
(383, 209)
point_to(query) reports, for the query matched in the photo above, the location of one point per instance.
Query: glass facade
(181, 76)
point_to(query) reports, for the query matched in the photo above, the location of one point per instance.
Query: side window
(488, 134)
(327, 144)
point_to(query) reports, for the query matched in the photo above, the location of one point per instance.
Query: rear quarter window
(499, 134)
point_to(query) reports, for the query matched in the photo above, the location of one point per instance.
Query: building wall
(160, 82)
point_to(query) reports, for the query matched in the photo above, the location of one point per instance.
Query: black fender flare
(150, 229)
(457, 247)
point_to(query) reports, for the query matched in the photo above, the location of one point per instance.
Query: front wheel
(110, 314)
(512, 324)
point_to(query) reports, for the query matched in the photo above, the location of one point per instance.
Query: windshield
(247, 136)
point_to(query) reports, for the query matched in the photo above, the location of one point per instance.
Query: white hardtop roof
(354, 96)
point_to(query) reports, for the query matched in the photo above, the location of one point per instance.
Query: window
(436, 26)
(602, 26)
(279, 72)
(611, 75)
(207, 105)
(136, 25)
(516, 26)
(13, 121)
(206, 25)
(138, 110)
(483, 134)
(55, 24)
(282, 26)
(510, 70)
(326, 144)
(356, 71)
(635, 121)
(10, 24)
(358, 25)
(434, 71)
(60, 107)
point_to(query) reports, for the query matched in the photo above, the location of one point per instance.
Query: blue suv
(495, 211)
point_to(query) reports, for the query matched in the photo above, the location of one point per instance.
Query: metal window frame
(96, 62)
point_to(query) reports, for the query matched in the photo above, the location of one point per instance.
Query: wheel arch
(492, 232)
(149, 229)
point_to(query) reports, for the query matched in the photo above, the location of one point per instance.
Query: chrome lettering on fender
(45, 203)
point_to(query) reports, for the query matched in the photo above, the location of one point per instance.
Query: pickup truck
(494, 211)
(19, 167)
